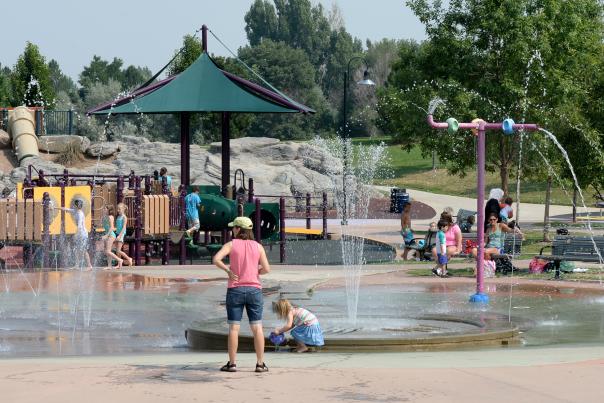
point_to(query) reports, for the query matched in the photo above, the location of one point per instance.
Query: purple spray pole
(479, 127)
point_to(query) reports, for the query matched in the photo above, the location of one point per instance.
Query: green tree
(5, 86)
(186, 55)
(484, 57)
(31, 84)
(290, 71)
(61, 82)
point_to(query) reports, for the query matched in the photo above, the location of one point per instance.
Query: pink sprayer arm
(487, 126)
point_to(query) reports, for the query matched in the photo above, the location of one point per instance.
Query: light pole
(345, 135)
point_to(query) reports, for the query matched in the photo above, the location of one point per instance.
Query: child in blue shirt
(441, 249)
(192, 202)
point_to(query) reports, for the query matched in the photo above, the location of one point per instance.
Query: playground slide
(21, 128)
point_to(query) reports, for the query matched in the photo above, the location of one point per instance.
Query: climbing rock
(58, 144)
(104, 150)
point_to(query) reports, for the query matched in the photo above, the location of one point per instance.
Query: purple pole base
(480, 298)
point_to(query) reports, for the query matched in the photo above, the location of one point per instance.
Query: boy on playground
(441, 249)
(192, 202)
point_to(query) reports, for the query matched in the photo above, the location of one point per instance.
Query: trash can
(398, 199)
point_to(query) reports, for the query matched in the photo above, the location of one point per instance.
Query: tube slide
(21, 128)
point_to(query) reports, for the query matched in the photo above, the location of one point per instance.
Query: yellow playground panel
(72, 193)
(55, 201)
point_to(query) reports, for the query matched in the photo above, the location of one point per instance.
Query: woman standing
(244, 290)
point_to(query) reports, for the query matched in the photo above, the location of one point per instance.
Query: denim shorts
(239, 297)
(442, 259)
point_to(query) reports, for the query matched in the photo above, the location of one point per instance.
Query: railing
(47, 122)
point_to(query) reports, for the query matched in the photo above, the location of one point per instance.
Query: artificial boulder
(58, 144)
(103, 150)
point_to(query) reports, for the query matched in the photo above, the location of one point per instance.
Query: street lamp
(365, 81)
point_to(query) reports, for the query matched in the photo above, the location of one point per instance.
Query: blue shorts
(442, 259)
(249, 297)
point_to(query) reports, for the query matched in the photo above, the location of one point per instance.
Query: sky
(147, 32)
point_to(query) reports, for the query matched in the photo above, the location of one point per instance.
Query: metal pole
(147, 184)
(70, 122)
(181, 202)
(225, 152)
(257, 221)
(480, 296)
(138, 233)
(324, 208)
(185, 152)
(548, 198)
(250, 190)
(308, 223)
(282, 228)
(45, 229)
(204, 38)
(120, 189)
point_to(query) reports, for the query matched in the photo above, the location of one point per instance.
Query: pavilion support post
(226, 151)
(185, 153)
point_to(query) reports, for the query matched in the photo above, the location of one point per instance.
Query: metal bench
(512, 245)
(569, 248)
(425, 251)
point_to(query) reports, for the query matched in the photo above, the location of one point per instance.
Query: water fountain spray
(478, 128)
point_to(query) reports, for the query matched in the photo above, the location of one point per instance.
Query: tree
(30, 79)
(186, 55)
(5, 86)
(100, 71)
(290, 71)
(479, 56)
(61, 82)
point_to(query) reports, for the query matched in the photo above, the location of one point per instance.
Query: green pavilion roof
(202, 87)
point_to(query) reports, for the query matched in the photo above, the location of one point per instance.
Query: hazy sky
(147, 32)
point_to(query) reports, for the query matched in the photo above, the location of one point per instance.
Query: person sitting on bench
(495, 237)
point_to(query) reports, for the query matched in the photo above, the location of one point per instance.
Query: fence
(20, 220)
(48, 122)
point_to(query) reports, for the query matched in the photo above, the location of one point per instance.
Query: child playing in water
(109, 237)
(304, 326)
(80, 238)
(120, 230)
(441, 249)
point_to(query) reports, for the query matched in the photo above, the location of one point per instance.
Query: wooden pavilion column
(226, 151)
(185, 149)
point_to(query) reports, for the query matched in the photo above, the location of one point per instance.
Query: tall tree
(61, 82)
(496, 59)
(31, 84)
(5, 86)
(290, 71)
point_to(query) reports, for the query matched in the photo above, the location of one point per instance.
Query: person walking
(244, 290)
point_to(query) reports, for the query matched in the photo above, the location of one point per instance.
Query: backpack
(505, 266)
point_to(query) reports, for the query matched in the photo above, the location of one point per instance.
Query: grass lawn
(412, 170)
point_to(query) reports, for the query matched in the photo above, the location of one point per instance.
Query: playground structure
(156, 215)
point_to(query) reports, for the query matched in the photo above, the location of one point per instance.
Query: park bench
(569, 248)
(424, 252)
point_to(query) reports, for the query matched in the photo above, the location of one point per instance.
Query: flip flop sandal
(261, 368)
(228, 367)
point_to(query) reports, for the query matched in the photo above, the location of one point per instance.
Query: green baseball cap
(242, 222)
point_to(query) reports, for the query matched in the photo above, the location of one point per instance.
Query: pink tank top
(245, 258)
(451, 233)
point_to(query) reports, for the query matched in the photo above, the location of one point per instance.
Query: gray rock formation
(104, 150)
(278, 168)
(58, 144)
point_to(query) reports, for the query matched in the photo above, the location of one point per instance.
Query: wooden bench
(569, 248)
